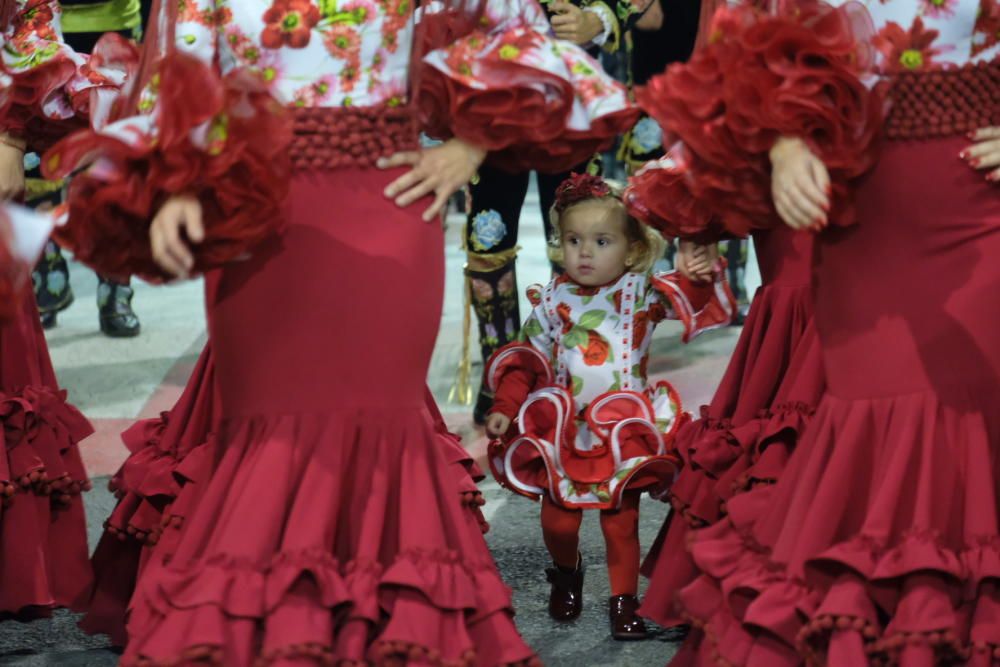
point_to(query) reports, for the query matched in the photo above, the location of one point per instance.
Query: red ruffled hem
(346, 573)
(888, 576)
(761, 77)
(743, 439)
(42, 525)
(240, 178)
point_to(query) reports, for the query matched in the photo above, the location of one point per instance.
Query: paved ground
(114, 382)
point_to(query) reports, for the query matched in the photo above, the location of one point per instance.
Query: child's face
(594, 242)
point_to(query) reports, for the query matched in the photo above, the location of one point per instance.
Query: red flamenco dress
(879, 545)
(43, 558)
(327, 531)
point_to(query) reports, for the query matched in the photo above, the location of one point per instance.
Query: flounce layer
(220, 140)
(42, 525)
(902, 569)
(168, 455)
(744, 438)
(288, 557)
(759, 78)
(46, 87)
(532, 101)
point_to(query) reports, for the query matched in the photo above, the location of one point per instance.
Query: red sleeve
(700, 307)
(533, 101)
(513, 391)
(760, 77)
(220, 139)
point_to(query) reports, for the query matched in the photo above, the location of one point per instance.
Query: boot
(566, 594)
(50, 278)
(626, 624)
(494, 300)
(114, 303)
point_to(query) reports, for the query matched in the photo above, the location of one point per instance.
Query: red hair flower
(289, 22)
(578, 188)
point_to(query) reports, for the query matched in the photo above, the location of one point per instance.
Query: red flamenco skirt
(43, 532)
(328, 532)
(880, 543)
(170, 455)
(744, 438)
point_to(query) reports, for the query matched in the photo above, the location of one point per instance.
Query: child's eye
(602, 242)
(574, 241)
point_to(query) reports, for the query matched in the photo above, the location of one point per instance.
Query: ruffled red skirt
(43, 532)
(328, 531)
(880, 544)
(744, 438)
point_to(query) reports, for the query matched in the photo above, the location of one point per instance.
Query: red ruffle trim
(39, 426)
(240, 588)
(241, 182)
(523, 126)
(760, 77)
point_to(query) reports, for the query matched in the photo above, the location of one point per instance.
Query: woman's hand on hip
(800, 185)
(440, 170)
(984, 154)
(171, 248)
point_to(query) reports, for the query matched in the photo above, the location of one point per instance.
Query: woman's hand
(497, 424)
(985, 153)
(800, 185)
(575, 25)
(442, 170)
(695, 261)
(171, 250)
(11, 167)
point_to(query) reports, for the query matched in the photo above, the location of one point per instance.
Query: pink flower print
(342, 41)
(939, 9)
(907, 50)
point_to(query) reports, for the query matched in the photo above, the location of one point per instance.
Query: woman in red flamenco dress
(879, 544)
(769, 391)
(327, 531)
(44, 92)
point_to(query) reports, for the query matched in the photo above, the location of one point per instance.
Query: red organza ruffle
(523, 126)
(760, 77)
(240, 177)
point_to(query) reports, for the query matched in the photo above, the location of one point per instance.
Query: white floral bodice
(597, 339)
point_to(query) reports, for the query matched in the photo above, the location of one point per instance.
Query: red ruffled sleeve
(760, 77)
(221, 140)
(533, 101)
(46, 86)
(513, 372)
(700, 307)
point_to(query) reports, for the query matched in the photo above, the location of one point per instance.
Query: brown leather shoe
(566, 594)
(625, 622)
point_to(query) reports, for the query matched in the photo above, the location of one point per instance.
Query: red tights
(561, 531)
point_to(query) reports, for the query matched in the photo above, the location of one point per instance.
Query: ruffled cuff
(761, 77)
(513, 372)
(221, 141)
(700, 307)
(534, 102)
(47, 87)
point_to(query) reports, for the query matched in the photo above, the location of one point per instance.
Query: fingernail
(974, 162)
(964, 155)
(971, 135)
(993, 176)
(380, 163)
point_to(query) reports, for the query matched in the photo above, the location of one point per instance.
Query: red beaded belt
(338, 137)
(941, 103)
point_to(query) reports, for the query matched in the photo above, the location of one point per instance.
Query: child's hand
(497, 424)
(695, 261)
(575, 25)
(800, 185)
